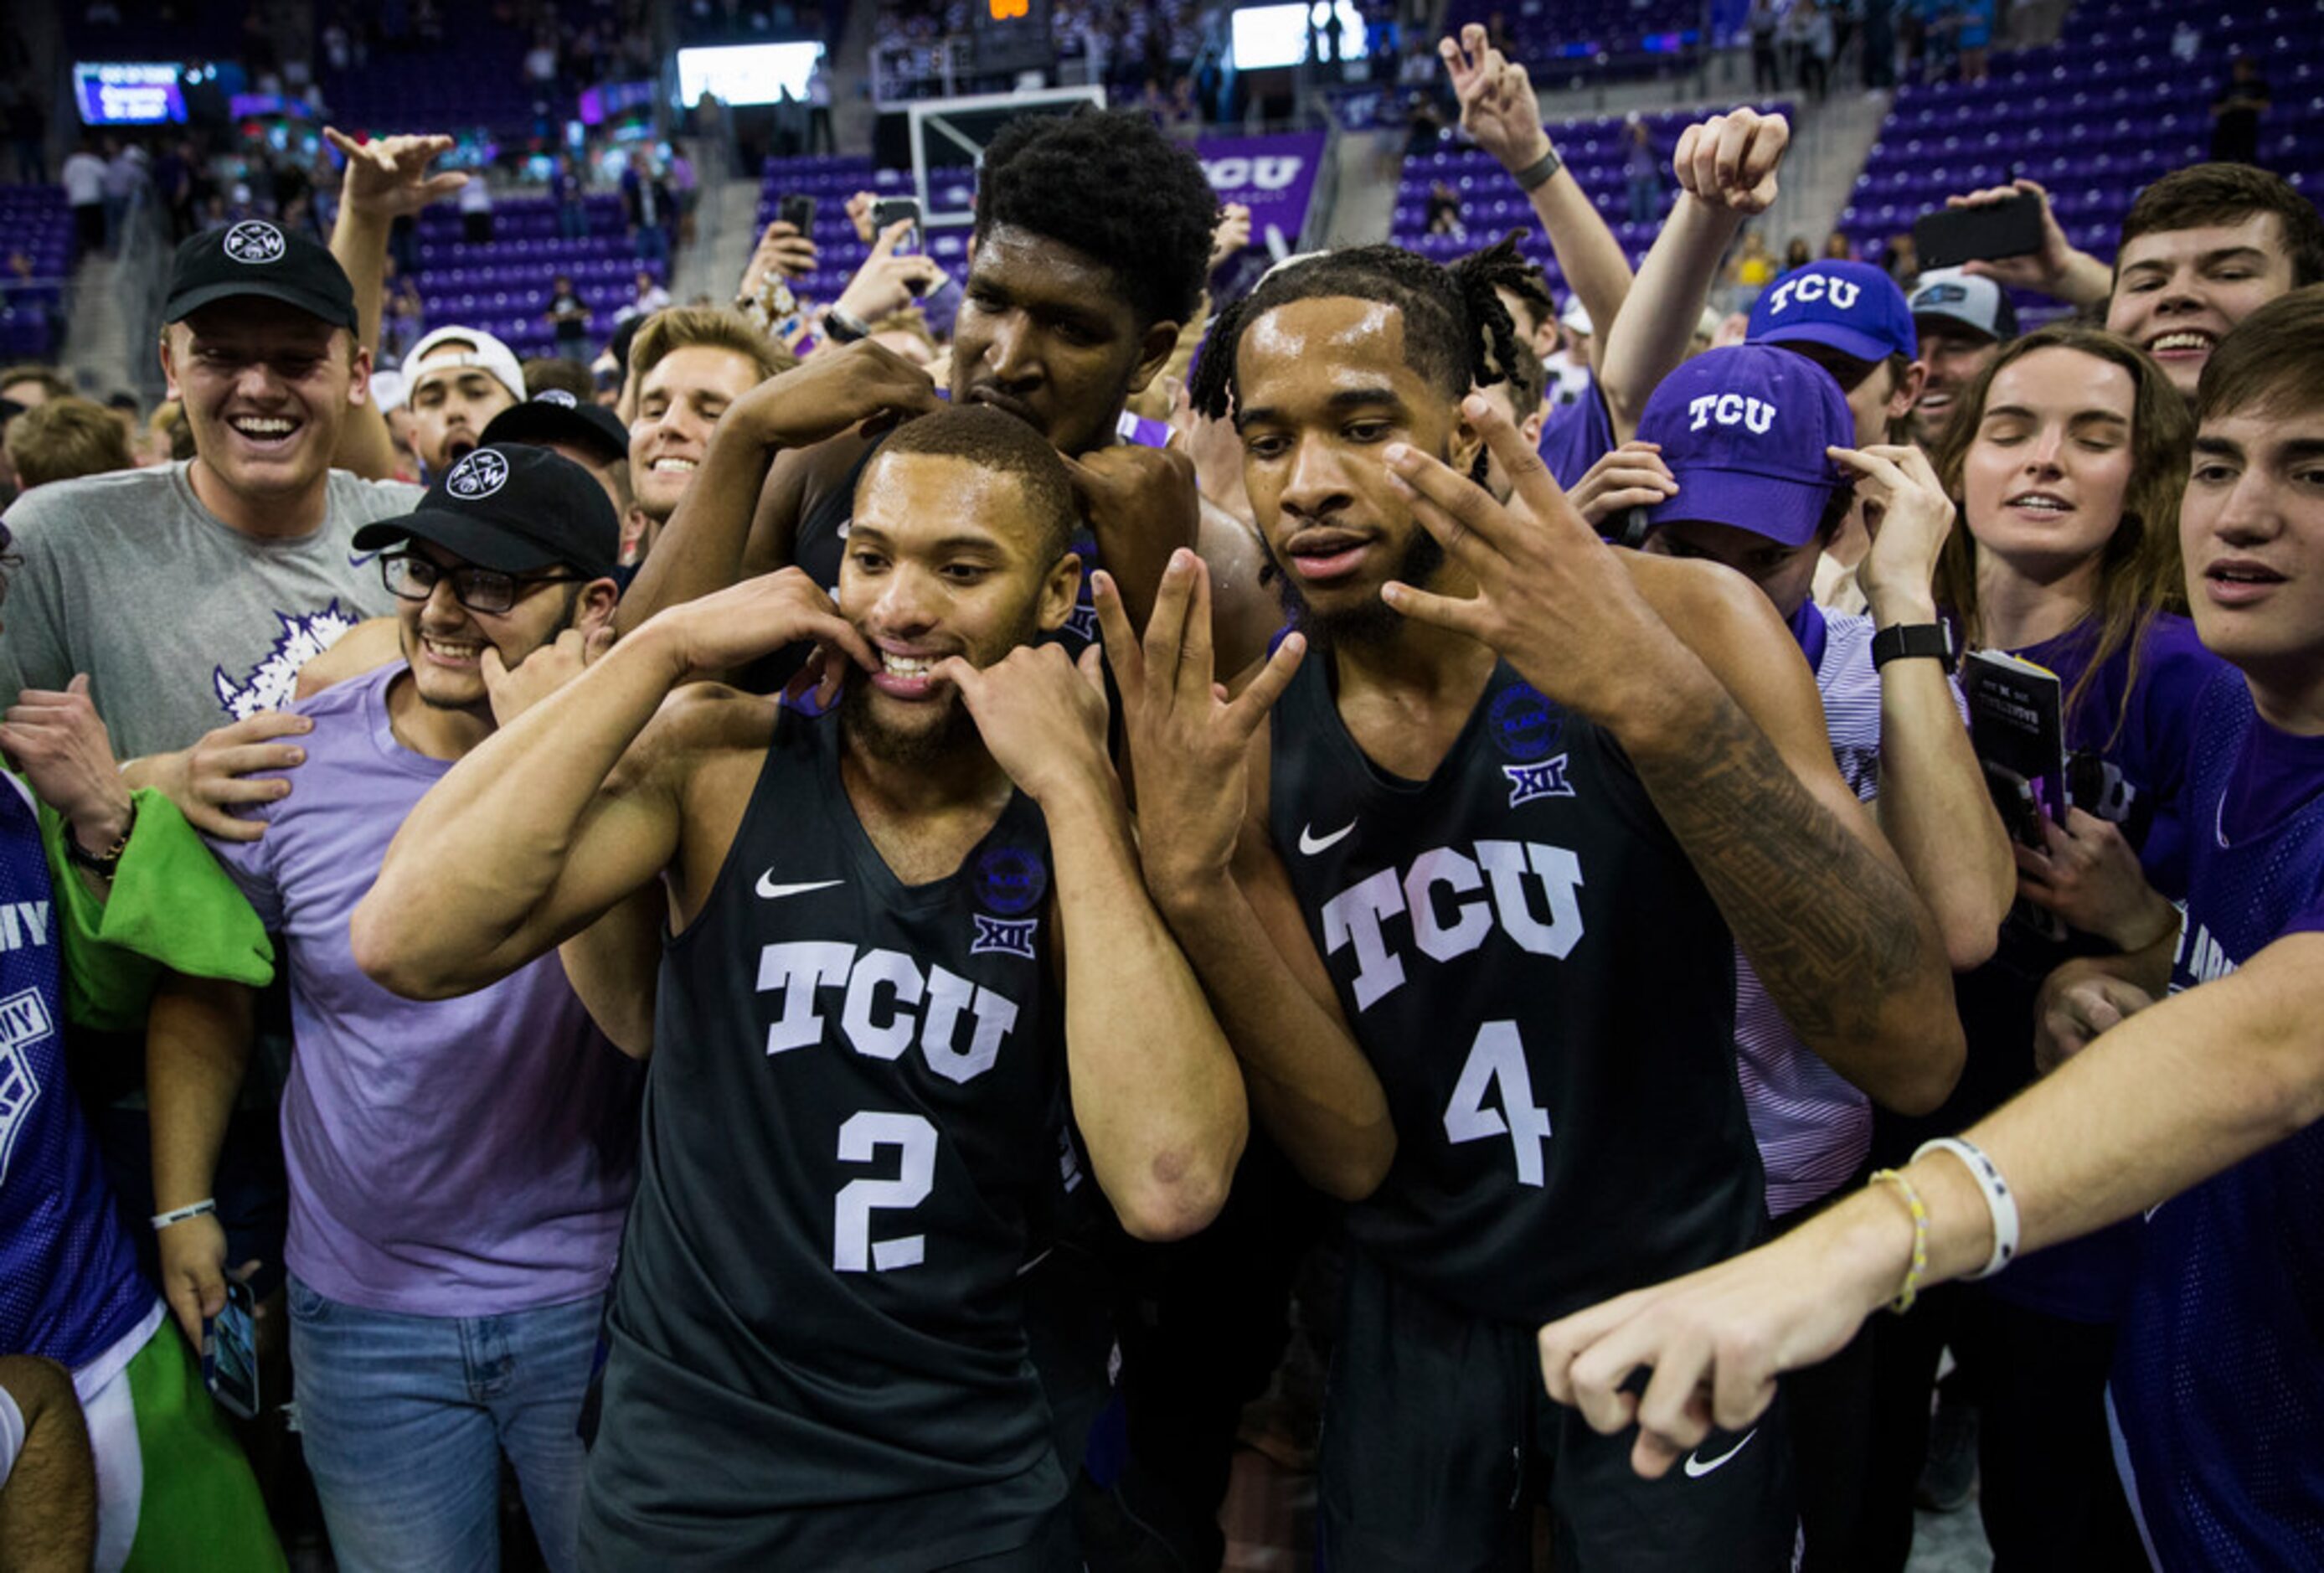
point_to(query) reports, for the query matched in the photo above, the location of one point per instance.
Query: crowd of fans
(551, 911)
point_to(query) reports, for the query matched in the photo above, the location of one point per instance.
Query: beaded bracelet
(1911, 1289)
(2000, 1204)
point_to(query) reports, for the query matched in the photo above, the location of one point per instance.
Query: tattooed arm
(1741, 769)
(1696, 677)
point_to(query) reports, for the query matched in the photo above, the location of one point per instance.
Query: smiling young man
(1468, 908)
(259, 349)
(2202, 249)
(867, 1079)
(690, 363)
(458, 1169)
(1962, 322)
(2197, 1100)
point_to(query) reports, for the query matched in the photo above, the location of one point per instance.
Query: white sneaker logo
(1696, 1468)
(773, 891)
(1311, 844)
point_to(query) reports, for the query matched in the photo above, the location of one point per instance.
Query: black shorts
(1439, 1439)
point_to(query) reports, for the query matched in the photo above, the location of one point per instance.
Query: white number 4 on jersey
(1497, 1061)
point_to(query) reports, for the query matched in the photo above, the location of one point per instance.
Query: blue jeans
(404, 1420)
(1645, 198)
(653, 244)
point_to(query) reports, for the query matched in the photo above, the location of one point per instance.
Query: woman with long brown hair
(2067, 462)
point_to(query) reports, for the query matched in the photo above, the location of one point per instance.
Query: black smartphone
(890, 210)
(1950, 236)
(230, 1360)
(798, 210)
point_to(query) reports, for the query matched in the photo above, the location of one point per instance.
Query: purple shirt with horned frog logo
(182, 623)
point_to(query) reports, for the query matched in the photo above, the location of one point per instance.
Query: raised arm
(386, 177)
(1501, 113)
(701, 550)
(2168, 1098)
(2057, 269)
(557, 816)
(1216, 881)
(1933, 805)
(1726, 171)
(1702, 685)
(1156, 1095)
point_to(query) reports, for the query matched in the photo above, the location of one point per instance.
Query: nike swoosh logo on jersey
(1311, 844)
(357, 558)
(1696, 1468)
(773, 891)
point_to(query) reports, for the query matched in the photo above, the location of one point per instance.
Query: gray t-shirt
(182, 623)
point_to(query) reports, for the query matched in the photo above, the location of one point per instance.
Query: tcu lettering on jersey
(1841, 292)
(888, 997)
(1754, 415)
(2200, 958)
(1445, 896)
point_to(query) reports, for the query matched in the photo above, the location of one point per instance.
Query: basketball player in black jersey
(1091, 248)
(1465, 908)
(863, 1059)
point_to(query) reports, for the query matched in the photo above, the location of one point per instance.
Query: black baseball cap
(513, 508)
(255, 257)
(554, 415)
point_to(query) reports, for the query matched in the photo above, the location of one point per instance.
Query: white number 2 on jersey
(1498, 1060)
(852, 1248)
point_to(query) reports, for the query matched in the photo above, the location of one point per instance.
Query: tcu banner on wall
(1275, 178)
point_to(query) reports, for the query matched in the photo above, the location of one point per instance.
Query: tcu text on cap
(1841, 292)
(1754, 415)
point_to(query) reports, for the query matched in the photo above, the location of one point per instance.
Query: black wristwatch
(1905, 641)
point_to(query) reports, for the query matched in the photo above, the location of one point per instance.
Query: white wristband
(2000, 1204)
(179, 1215)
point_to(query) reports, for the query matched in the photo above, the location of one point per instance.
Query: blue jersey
(70, 1289)
(2219, 1378)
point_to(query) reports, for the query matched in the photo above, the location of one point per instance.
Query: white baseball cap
(484, 353)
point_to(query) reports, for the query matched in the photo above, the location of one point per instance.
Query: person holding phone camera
(2201, 249)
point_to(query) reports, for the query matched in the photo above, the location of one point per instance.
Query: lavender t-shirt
(465, 1157)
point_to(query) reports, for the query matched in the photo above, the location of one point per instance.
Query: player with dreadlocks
(1468, 905)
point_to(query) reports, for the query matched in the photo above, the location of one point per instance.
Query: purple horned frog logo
(269, 685)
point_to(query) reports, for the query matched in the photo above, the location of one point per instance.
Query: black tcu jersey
(1546, 993)
(857, 1092)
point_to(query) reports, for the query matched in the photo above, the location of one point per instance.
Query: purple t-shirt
(2141, 726)
(465, 1157)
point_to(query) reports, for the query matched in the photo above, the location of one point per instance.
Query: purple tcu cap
(1744, 431)
(1851, 306)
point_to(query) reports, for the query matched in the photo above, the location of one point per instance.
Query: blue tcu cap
(1850, 306)
(1744, 431)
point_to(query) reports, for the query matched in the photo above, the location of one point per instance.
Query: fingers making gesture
(1189, 742)
(387, 176)
(1551, 596)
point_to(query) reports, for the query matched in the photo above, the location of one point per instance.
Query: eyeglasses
(413, 578)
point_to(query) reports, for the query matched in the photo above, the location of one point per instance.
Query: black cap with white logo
(554, 415)
(516, 509)
(255, 257)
